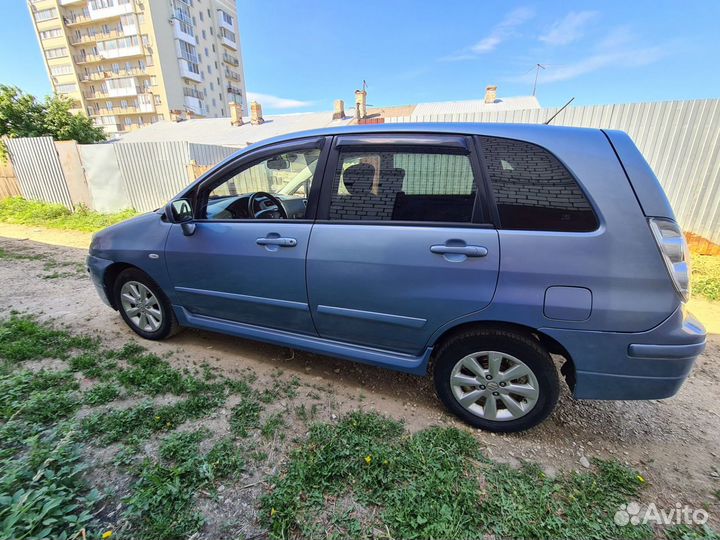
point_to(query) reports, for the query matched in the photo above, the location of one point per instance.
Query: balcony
(112, 11)
(233, 75)
(69, 2)
(229, 59)
(104, 75)
(223, 21)
(87, 58)
(229, 43)
(195, 105)
(187, 73)
(182, 31)
(120, 52)
(93, 38)
(233, 90)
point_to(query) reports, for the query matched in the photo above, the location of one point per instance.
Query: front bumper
(642, 365)
(96, 267)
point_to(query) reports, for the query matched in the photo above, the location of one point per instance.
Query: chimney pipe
(256, 116)
(235, 114)
(339, 112)
(360, 104)
(490, 94)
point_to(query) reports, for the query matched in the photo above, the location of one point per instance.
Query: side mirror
(180, 211)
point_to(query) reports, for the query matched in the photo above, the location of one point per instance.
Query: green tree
(23, 115)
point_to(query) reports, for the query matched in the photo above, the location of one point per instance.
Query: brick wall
(523, 174)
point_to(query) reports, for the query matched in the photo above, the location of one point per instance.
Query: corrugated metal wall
(209, 154)
(38, 171)
(680, 140)
(153, 172)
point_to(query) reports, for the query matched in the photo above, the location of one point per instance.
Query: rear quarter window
(533, 190)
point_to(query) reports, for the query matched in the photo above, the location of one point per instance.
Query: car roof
(517, 131)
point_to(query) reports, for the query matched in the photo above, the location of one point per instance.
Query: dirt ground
(675, 443)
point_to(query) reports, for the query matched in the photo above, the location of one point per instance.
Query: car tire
(473, 379)
(144, 306)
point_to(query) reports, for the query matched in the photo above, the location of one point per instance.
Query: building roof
(474, 106)
(220, 131)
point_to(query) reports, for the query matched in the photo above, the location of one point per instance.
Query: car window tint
(403, 186)
(533, 190)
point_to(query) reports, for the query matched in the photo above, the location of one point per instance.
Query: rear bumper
(643, 365)
(96, 268)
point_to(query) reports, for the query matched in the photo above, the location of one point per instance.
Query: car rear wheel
(143, 306)
(496, 379)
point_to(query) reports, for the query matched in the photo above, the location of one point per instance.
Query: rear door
(402, 244)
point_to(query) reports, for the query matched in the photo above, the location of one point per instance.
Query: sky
(301, 56)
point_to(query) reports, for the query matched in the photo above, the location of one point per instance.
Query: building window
(212, 86)
(227, 34)
(52, 33)
(66, 88)
(46, 14)
(128, 121)
(226, 17)
(123, 104)
(188, 51)
(403, 186)
(62, 69)
(56, 53)
(108, 105)
(204, 35)
(533, 190)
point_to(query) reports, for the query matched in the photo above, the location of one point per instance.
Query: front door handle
(468, 251)
(280, 241)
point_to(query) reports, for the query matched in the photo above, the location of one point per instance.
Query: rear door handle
(469, 251)
(283, 242)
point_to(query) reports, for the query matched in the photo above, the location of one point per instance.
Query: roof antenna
(538, 67)
(547, 122)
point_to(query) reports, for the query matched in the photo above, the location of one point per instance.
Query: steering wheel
(253, 200)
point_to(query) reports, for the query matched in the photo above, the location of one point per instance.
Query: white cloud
(275, 102)
(500, 32)
(619, 49)
(568, 29)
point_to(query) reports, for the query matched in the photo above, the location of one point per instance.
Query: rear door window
(399, 185)
(533, 190)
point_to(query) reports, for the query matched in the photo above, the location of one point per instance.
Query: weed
(706, 276)
(40, 397)
(273, 426)
(245, 416)
(23, 338)
(42, 493)
(436, 484)
(20, 211)
(691, 532)
(101, 394)
(161, 505)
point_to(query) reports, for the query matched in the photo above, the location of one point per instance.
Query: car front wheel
(143, 306)
(496, 379)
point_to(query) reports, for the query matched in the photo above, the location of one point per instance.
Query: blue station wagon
(473, 251)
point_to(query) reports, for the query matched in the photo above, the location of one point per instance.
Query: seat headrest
(358, 179)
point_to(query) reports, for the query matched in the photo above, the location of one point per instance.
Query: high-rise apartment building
(128, 63)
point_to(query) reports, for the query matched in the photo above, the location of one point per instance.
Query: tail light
(675, 253)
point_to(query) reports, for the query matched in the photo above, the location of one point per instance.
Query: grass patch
(101, 394)
(23, 338)
(42, 492)
(19, 211)
(162, 504)
(245, 416)
(706, 276)
(42, 397)
(435, 484)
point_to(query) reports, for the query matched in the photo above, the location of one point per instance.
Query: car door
(402, 244)
(248, 265)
